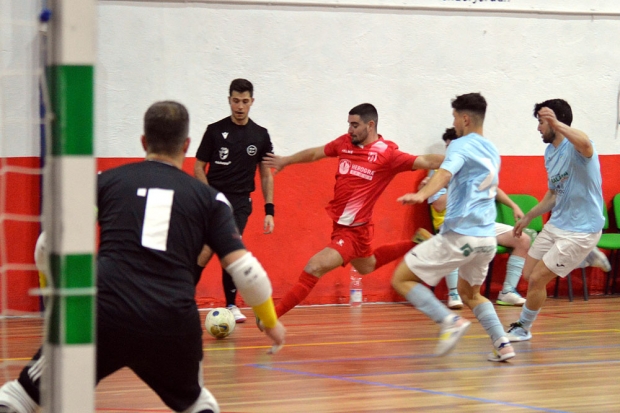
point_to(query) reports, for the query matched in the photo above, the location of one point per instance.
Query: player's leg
(535, 269)
(423, 264)
(471, 277)
(390, 252)
(596, 258)
(558, 252)
(23, 394)
(172, 367)
(321, 263)
(454, 299)
(362, 256)
(347, 243)
(514, 267)
(242, 208)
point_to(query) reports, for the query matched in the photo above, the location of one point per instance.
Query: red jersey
(363, 174)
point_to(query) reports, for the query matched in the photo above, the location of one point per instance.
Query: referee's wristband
(269, 209)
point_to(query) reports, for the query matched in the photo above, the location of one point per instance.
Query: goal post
(69, 200)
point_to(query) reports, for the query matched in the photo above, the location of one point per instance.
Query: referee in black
(155, 220)
(233, 148)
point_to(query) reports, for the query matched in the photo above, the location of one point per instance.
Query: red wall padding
(303, 228)
(21, 195)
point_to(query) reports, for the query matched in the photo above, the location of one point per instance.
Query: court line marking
(432, 356)
(351, 377)
(401, 340)
(416, 389)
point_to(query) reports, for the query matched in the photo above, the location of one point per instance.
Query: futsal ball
(220, 322)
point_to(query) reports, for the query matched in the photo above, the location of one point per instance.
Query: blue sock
(527, 317)
(452, 280)
(514, 268)
(485, 313)
(424, 300)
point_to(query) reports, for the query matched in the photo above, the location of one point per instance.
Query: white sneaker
(502, 350)
(239, 317)
(454, 301)
(452, 329)
(596, 258)
(510, 298)
(517, 332)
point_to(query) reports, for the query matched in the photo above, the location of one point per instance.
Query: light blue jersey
(474, 163)
(577, 182)
(439, 193)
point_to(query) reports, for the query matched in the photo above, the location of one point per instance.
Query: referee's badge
(223, 153)
(251, 150)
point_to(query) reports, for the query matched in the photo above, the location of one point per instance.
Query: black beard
(548, 137)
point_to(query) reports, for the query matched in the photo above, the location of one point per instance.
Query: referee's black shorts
(242, 208)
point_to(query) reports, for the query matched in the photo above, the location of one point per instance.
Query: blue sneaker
(517, 332)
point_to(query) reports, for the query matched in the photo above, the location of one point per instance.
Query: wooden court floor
(378, 358)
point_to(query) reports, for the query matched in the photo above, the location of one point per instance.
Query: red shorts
(352, 242)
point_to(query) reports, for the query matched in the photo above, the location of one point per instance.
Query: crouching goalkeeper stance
(155, 220)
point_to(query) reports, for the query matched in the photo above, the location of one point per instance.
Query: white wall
(19, 94)
(310, 65)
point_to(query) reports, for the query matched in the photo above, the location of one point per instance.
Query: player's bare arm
(266, 181)
(307, 155)
(501, 197)
(430, 161)
(439, 180)
(545, 205)
(199, 171)
(254, 285)
(579, 139)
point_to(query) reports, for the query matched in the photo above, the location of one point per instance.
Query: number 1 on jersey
(156, 217)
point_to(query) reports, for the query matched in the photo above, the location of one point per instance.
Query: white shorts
(562, 251)
(502, 229)
(432, 260)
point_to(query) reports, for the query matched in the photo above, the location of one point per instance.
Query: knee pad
(205, 403)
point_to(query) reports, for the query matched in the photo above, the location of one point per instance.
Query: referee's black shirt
(233, 153)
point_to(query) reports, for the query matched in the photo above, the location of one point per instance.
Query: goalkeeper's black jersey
(154, 220)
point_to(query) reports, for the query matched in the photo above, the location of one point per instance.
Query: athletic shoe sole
(495, 356)
(500, 302)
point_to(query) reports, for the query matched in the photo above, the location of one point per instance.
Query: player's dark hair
(560, 107)
(449, 135)
(366, 112)
(166, 126)
(474, 103)
(240, 86)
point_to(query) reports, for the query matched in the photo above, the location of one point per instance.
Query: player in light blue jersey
(575, 200)
(467, 237)
(518, 246)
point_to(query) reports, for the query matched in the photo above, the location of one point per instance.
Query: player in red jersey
(367, 164)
